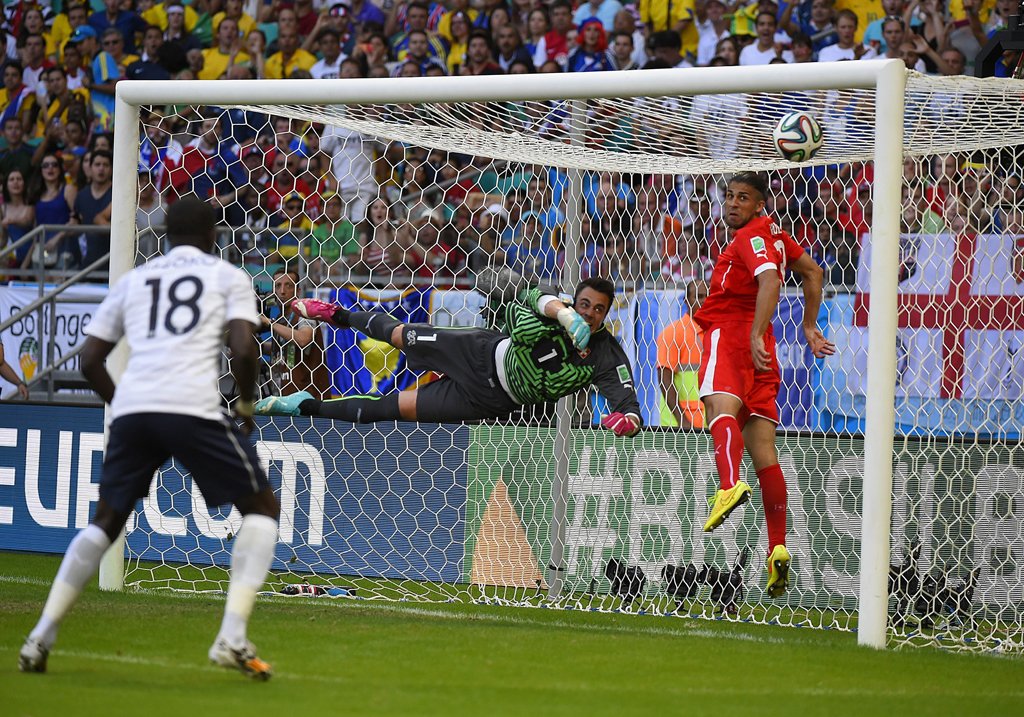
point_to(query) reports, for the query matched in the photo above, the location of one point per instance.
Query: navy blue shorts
(217, 454)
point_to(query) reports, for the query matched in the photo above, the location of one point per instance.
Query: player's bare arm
(94, 367)
(768, 287)
(811, 279)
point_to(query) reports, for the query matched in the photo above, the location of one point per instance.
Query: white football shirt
(174, 311)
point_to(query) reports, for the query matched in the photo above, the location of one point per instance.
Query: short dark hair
(598, 284)
(756, 180)
(669, 39)
(101, 153)
(190, 220)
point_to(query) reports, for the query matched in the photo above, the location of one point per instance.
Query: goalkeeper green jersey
(541, 363)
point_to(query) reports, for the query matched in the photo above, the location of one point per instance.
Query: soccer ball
(797, 136)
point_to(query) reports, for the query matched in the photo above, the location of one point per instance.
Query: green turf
(144, 653)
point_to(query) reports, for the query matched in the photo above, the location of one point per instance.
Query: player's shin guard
(356, 409)
(251, 557)
(728, 439)
(374, 324)
(80, 563)
(773, 495)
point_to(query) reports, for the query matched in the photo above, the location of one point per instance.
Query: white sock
(250, 562)
(81, 561)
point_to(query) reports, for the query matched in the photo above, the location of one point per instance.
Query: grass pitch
(145, 653)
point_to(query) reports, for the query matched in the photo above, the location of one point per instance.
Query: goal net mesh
(400, 207)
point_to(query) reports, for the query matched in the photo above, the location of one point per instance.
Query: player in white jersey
(173, 312)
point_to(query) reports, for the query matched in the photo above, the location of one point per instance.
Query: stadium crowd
(352, 205)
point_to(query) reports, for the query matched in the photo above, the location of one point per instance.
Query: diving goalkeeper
(547, 350)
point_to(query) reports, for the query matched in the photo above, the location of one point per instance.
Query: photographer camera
(295, 346)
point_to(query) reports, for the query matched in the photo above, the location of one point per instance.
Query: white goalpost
(554, 540)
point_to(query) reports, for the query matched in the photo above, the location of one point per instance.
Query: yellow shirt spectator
(245, 24)
(867, 11)
(157, 15)
(956, 10)
(277, 69)
(216, 63)
(444, 25)
(667, 15)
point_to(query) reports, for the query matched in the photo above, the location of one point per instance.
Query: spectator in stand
(127, 22)
(150, 215)
(33, 24)
(292, 227)
(455, 7)
(255, 47)
(556, 43)
(667, 16)
(75, 15)
(107, 69)
(217, 60)
(351, 156)
(62, 103)
(16, 155)
(873, 35)
(679, 349)
(895, 34)
(210, 170)
(149, 65)
(377, 236)
(591, 55)
(285, 178)
(620, 54)
(626, 22)
(765, 49)
(92, 206)
(328, 67)
(176, 33)
(78, 76)
(802, 48)
(18, 101)
(537, 26)
(36, 65)
(295, 345)
(306, 16)
(53, 198)
(234, 10)
(480, 55)
(17, 216)
(532, 253)
(667, 47)
(510, 48)
(816, 24)
(459, 28)
(416, 17)
(418, 51)
(603, 10)
(288, 58)
(712, 27)
(728, 50)
(333, 243)
(846, 47)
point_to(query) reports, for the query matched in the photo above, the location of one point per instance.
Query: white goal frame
(887, 78)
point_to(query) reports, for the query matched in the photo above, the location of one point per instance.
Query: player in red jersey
(739, 372)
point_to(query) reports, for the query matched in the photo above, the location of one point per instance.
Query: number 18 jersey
(173, 312)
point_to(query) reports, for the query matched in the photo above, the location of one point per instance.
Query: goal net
(402, 203)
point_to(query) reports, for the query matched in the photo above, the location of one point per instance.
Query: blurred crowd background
(346, 205)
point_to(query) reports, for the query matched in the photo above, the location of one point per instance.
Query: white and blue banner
(959, 363)
(352, 509)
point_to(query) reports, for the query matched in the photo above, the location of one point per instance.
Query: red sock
(773, 495)
(728, 438)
